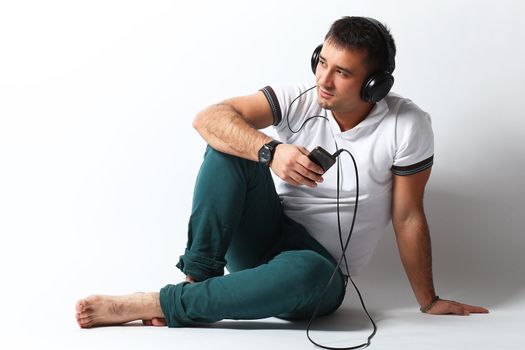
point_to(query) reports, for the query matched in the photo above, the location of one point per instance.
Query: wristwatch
(267, 151)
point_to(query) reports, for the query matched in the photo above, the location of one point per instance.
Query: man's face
(340, 75)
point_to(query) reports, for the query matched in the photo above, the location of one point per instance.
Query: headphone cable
(307, 119)
(343, 257)
(343, 247)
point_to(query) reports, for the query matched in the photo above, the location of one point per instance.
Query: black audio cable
(335, 157)
(343, 258)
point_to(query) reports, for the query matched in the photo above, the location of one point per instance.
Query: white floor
(43, 316)
(398, 329)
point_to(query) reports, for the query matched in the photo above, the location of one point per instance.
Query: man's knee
(309, 274)
(227, 170)
(309, 270)
(220, 174)
(220, 160)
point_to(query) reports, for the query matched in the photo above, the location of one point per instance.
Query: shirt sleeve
(270, 95)
(414, 141)
(290, 104)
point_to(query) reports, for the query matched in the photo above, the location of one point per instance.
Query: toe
(80, 306)
(84, 322)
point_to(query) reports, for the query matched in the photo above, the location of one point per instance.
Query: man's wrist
(425, 308)
(267, 152)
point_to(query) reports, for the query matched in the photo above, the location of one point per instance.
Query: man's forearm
(224, 128)
(413, 240)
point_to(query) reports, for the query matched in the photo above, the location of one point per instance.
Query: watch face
(265, 154)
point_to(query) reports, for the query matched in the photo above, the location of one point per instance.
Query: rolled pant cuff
(170, 303)
(200, 267)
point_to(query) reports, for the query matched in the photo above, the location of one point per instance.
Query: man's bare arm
(412, 234)
(232, 126)
(413, 240)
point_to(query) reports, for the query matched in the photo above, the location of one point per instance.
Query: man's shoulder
(399, 106)
(291, 89)
(299, 97)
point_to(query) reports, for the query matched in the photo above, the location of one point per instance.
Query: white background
(98, 160)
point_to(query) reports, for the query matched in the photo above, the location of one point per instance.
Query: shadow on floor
(343, 320)
(477, 242)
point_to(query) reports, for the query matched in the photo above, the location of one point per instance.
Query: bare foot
(105, 310)
(159, 322)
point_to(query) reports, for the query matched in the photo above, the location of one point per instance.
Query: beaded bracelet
(429, 306)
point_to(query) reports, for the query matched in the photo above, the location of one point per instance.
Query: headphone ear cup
(376, 87)
(315, 57)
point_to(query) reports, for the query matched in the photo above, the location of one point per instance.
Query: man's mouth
(325, 94)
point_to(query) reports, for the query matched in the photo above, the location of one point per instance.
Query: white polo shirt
(395, 138)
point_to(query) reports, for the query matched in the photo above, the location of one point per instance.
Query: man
(281, 246)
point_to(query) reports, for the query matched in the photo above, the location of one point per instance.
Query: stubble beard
(324, 104)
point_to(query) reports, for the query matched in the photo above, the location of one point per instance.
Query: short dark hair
(361, 33)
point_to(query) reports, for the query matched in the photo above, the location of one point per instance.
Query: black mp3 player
(322, 158)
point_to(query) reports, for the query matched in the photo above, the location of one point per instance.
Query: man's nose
(325, 78)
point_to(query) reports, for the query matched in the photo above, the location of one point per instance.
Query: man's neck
(349, 120)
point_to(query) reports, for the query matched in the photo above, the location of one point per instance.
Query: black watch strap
(267, 151)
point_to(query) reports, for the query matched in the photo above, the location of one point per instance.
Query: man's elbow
(200, 120)
(204, 118)
(413, 221)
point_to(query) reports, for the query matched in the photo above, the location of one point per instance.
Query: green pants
(237, 221)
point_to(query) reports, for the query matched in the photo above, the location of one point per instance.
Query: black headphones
(378, 84)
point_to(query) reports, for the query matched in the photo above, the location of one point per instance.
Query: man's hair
(359, 33)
